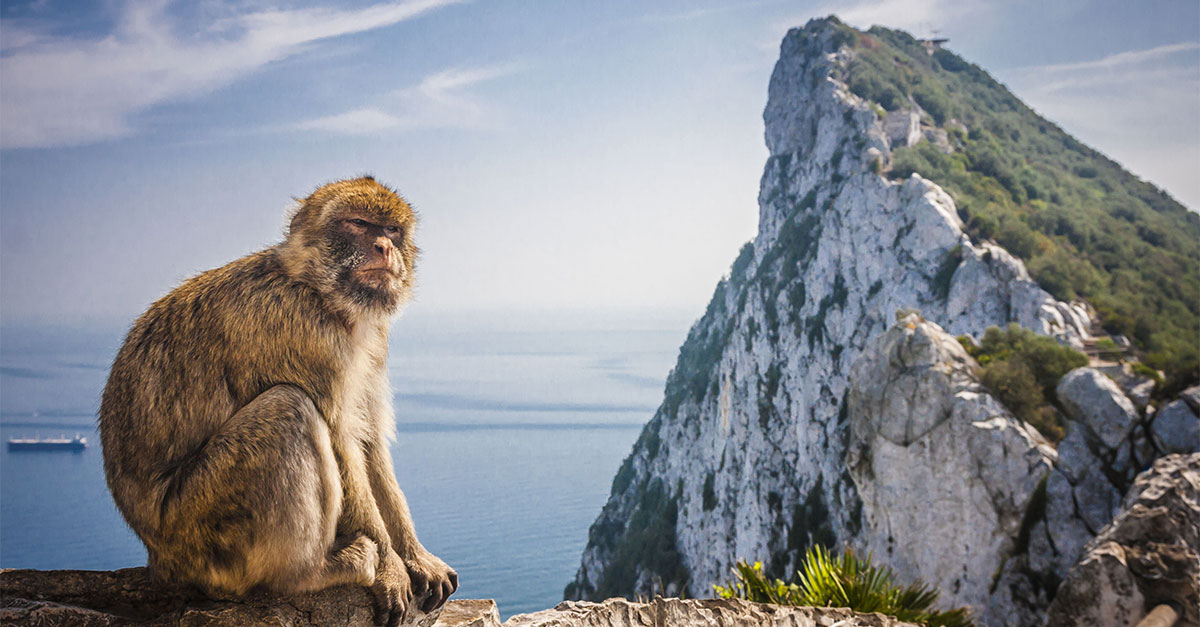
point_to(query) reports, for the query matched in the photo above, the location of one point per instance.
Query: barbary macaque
(246, 421)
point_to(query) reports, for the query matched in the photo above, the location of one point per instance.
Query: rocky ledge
(707, 612)
(129, 597)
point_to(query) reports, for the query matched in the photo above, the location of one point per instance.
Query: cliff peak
(757, 450)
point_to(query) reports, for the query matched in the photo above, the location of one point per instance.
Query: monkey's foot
(432, 580)
(392, 590)
(353, 563)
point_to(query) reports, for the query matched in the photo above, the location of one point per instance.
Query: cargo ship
(78, 443)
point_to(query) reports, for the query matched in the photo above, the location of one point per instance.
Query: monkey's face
(352, 240)
(368, 252)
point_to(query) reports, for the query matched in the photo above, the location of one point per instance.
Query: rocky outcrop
(745, 456)
(1108, 442)
(945, 473)
(130, 597)
(1176, 427)
(711, 612)
(959, 493)
(1148, 556)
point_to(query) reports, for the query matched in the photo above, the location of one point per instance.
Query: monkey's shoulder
(252, 298)
(235, 330)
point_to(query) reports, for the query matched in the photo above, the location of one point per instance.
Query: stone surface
(698, 613)
(945, 473)
(746, 457)
(1176, 428)
(1147, 556)
(469, 613)
(129, 597)
(1098, 405)
(1191, 396)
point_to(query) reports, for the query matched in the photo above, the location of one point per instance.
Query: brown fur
(246, 417)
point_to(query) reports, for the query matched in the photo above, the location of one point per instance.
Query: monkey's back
(195, 357)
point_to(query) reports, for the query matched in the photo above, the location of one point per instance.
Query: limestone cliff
(746, 455)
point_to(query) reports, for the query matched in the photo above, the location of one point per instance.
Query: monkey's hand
(392, 589)
(432, 579)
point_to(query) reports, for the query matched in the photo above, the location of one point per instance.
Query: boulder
(1176, 428)
(1149, 555)
(944, 471)
(1094, 401)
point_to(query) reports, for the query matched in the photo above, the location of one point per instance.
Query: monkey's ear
(293, 215)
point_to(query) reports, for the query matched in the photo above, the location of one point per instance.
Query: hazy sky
(599, 155)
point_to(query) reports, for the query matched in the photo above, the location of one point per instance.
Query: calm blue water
(510, 430)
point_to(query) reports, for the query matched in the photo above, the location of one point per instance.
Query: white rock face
(945, 473)
(746, 457)
(1097, 404)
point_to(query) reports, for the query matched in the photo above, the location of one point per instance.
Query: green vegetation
(1107, 349)
(1084, 227)
(1022, 368)
(847, 581)
(646, 543)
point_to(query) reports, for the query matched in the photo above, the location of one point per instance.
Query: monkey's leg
(432, 579)
(258, 504)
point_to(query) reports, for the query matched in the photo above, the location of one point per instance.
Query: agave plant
(847, 581)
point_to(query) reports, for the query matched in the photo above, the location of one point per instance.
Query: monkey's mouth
(375, 269)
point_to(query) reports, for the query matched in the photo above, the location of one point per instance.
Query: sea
(510, 428)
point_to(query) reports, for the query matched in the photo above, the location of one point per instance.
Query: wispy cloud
(441, 100)
(1160, 62)
(68, 91)
(1127, 58)
(919, 17)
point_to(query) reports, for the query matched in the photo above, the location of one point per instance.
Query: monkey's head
(352, 241)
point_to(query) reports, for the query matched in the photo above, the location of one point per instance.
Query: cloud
(61, 91)
(438, 101)
(1120, 59)
(1161, 63)
(918, 17)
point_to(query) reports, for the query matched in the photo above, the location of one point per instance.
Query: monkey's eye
(360, 222)
(392, 230)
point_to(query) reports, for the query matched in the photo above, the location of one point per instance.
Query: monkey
(246, 419)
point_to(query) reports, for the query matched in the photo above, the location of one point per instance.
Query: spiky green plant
(847, 581)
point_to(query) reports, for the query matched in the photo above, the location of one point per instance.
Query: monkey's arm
(361, 514)
(427, 571)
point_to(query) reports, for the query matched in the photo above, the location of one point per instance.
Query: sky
(576, 156)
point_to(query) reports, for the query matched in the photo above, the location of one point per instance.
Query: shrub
(1108, 349)
(1022, 368)
(847, 581)
(1147, 371)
